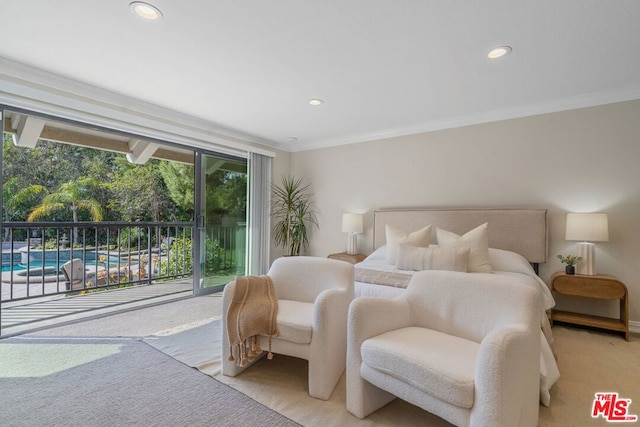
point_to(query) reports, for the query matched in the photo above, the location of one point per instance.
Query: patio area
(31, 315)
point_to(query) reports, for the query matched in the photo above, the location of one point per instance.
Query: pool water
(32, 265)
(50, 269)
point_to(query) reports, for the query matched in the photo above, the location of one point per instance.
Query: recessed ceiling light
(292, 139)
(316, 102)
(145, 11)
(499, 52)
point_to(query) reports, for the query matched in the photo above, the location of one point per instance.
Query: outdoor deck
(30, 315)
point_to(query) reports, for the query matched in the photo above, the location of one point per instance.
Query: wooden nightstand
(343, 256)
(597, 287)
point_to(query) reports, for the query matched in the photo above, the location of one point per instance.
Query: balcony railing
(42, 259)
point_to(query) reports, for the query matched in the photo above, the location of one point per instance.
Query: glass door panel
(222, 221)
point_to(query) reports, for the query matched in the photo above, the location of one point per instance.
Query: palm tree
(13, 197)
(72, 196)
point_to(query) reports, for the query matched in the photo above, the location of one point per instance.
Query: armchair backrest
(302, 278)
(73, 270)
(470, 305)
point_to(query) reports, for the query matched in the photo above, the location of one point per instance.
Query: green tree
(156, 191)
(138, 191)
(48, 164)
(231, 193)
(72, 197)
(179, 180)
(16, 200)
(14, 196)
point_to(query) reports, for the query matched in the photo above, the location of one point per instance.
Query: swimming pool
(35, 268)
(53, 268)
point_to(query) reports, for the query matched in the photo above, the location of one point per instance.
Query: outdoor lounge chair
(77, 275)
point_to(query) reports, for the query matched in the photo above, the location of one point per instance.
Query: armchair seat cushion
(436, 363)
(294, 321)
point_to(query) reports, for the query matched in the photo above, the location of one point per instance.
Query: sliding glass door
(221, 217)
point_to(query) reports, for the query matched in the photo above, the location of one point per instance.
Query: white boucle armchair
(469, 354)
(313, 301)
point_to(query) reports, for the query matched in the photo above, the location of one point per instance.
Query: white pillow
(432, 258)
(502, 260)
(395, 237)
(476, 240)
(380, 253)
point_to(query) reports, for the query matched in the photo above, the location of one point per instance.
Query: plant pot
(570, 269)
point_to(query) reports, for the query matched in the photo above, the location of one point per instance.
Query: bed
(475, 245)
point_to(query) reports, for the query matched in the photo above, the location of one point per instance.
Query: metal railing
(47, 258)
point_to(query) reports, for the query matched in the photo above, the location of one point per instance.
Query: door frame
(199, 221)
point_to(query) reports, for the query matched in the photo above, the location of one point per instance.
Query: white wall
(584, 160)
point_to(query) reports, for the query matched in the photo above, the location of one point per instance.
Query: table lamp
(587, 228)
(352, 224)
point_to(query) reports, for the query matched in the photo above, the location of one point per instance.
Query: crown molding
(44, 92)
(554, 106)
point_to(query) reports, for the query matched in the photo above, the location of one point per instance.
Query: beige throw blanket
(252, 312)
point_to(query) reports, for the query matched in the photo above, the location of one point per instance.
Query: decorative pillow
(432, 258)
(502, 260)
(395, 237)
(476, 240)
(380, 253)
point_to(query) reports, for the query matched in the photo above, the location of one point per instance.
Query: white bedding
(504, 263)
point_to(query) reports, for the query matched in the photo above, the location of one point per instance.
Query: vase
(570, 269)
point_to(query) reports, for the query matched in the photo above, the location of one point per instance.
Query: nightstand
(598, 287)
(343, 256)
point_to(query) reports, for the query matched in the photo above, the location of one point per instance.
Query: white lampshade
(588, 227)
(351, 223)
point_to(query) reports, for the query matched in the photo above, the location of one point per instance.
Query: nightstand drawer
(600, 287)
(597, 287)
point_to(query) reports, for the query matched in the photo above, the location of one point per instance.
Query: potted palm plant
(293, 213)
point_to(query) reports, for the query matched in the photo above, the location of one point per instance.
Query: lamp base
(587, 266)
(352, 244)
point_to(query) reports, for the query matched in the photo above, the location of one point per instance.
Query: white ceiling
(383, 67)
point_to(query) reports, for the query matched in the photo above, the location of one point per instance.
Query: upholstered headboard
(523, 231)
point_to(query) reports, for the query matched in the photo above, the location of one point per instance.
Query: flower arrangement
(570, 259)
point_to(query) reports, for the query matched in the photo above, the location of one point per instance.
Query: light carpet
(589, 362)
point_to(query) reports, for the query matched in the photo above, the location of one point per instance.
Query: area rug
(114, 382)
(589, 361)
(195, 344)
(280, 384)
